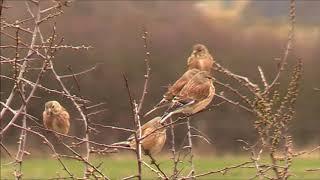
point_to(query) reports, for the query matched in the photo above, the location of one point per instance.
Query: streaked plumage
(55, 117)
(175, 89)
(153, 141)
(194, 97)
(200, 58)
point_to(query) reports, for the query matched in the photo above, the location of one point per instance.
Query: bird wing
(148, 127)
(62, 122)
(174, 90)
(196, 90)
(150, 138)
(179, 84)
(46, 122)
(131, 137)
(144, 128)
(122, 143)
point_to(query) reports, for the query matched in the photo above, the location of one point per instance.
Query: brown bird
(200, 58)
(174, 89)
(194, 97)
(152, 139)
(55, 117)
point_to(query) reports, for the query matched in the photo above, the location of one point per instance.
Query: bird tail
(122, 143)
(161, 104)
(175, 109)
(165, 116)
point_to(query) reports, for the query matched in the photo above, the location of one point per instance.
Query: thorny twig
(45, 52)
(82, 110)
(173, 150)
(22, 139)
(148, 68)
(190, 145)
(24, 65)
(137, 134)
(153, 161)
(136, 108)
(47, 142)
(289, 46)
(222, 171)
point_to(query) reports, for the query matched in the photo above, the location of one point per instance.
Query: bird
(56, 117)
(153, 136)
(195, 96)
(200, 58)
(174, 90)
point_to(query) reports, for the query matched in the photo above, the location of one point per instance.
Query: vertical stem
(173, 150)
(138, 140)
(274, 165)
(22, 140)
(137, 124)
(148, 69)
(192, 172)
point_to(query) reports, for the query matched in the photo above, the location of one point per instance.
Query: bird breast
(58, 122)
(155, 143)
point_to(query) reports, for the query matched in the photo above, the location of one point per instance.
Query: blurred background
(239, 34)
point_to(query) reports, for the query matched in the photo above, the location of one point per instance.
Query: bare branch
(24, 65)
(137, 134)
(5, 149)
(80, 73)
(289, 45)
(263, 78)
(148, 69)
(222, 171)
(190, 145)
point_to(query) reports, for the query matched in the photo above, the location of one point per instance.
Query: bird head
(53, 107)
(199, 50)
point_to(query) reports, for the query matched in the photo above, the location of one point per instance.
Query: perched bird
(194, 97)
(153, 139)
(200, 58)
(55, 117)
(174, 89)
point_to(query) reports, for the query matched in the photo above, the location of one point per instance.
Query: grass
(117, 167)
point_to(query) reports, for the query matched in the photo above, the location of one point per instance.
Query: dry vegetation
(26, 50)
